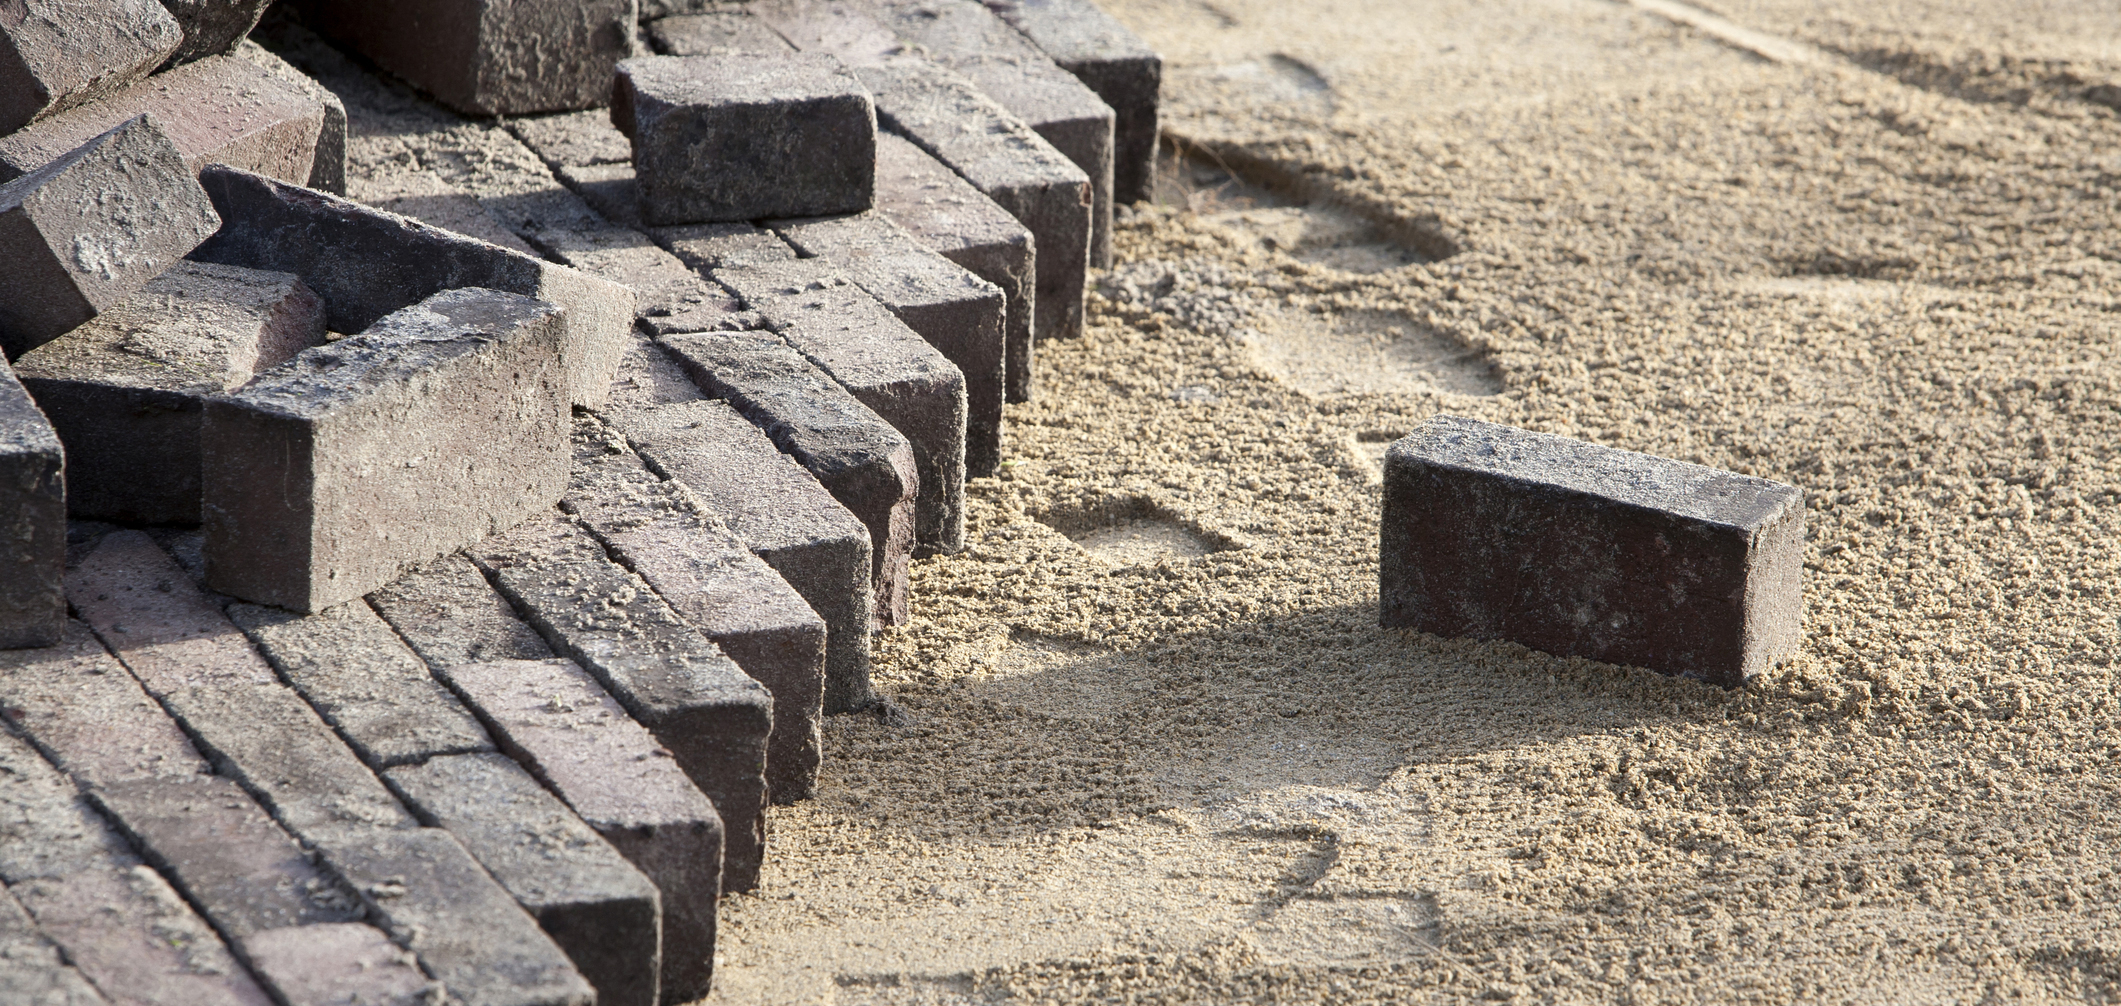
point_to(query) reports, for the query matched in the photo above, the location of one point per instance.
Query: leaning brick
(32, 970)
(340, 964)
(32, 521)
(56, 54)
(571, 734)
(326, 477)
(783, 515)
(1497, 533)
(946, 214)
(127, 391)
(89, 717)
(714, 33)
(714, 719)
(367, 263)
(601, 911)
(489, 57)
(449, 614)
(708, 576)
(1110, 60)
(88, 230)
(327, 172)
(866, 464)
(958, 313)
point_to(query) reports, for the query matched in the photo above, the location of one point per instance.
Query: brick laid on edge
(32, 521)
(449, 614)
(489, 57)
(55, 54)
(1580, 550)
(31, 968)
(1110, 60)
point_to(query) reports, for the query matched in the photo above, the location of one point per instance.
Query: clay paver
(714, 719)
(1110, 60)
(741, 136)
(91, 718)
(783, 515)
(1493, 532)
(449, 614)
(945, 213)
(55, 54)
(89, 229)
(553, 717)
(327, 172)
(127, 391)
(489, 57)
(32, 521)
(31, 968)
(714, 33)
(597, 907)
(326, 477)
(859, 458)
(340, 964)
(958, 313)
(665, 535)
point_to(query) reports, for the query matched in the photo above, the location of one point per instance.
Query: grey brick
(212, 27)
(667, 294)
(1580, 550)
(1110, 60)
(450, 615)
(31, 968)
(87, 715)
(442, 423)
(489, 57)
(327, 173)
(572, 139)
(648, 378)
(89, 229)
(340, 964)
(714, 33)
(56, 54)
(601, 911)
(127, 391)
(32, 521)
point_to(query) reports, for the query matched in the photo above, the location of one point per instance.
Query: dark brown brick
(212, 27)
(1110, 60)
(56, 54)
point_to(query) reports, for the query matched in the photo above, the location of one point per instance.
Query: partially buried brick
(77, 704)
(859, 458)
(32, 521)
(570, 733)
(127, 391)
(55, 54)
(601, 911)
(326, 477)
(489, 57)
(213, 27)
(741, 136)
(714, 33)
(1112, 61)
(660, 531)
(449, 614)
(958, 313)
(714, 719)
(1492, 532)
(88, 230)
(32, 970)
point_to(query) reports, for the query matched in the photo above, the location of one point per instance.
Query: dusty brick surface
(327, 172)
(1110, 60)
(340, 964)
(625, 784)
(601, 911)
(1493, 532)
(127, 391)
(714, 33)
(90, 717)
(325, 478)
(489, 57)
(151, 613)
(55, 54)
(89, 229)
(32, 521)
(270, 740)
(449, 614)
(32, 970)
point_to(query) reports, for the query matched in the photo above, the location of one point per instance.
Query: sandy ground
(1156, 748)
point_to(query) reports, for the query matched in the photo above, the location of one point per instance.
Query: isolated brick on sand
(32, 970)
(78, 705)
(1492, 532)
(127, 391)
(449, 614)
(32, 521)
(326, 477)
(56, 54)
(1112, 61)
(489, 57)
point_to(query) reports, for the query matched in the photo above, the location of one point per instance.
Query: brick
(572, 734)
(449, 614)
(325, 478)
(648, 378)
(665, 536)
(859, 458)
(707, 247)
(489, 57)
(1110, 60)
(212, 27)
(1492, 532)
(594, 905)
(367, 263)
(740, 136)
(958, 313)
(31, 968)
(714, 33)
(91, 228)
(363, 680)
(946, 214)
(327, 172)
(666, 292)
(89, 717)
(427, 198)
(952, 121)
(783, 515)
(572, 139)
(221, 110)
(270, 740)
(56, 54)
(340, 964)
(420, 886)
(32, 521)
(127, 391)
(153, 616)
(884, 364)
(714, 719)
(856, 33)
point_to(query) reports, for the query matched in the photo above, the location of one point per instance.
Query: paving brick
(667, 294)
(221, 110)
(573, 138)
(884, 364)
(212, 27)
(327, 172)
(449, 614)
(425, 197)
(855, 32)
(153, 616)
(570, 733)
(1110, 60)
(714, 719)
(55, 54)
(340, 964)
(660, 531)
(270, 740)
(32, 970)
(127, 391)
(958, 313)
(708, 247)
(1580, 550)
(325, 478)
(420, 886)
(648, 378)
(714, 33)
(489, 57)
(946, 214)
(367, 263)
(859, 458)
(363, 680)
(740, 136)
(89, 229)
(601, 911)
(783, 515)
(89, 717)
(32, 521)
